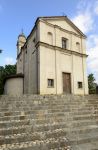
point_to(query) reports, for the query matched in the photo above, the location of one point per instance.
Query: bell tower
(20, 42)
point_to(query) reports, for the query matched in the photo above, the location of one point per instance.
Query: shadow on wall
(96, 89)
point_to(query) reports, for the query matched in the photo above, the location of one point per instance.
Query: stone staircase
(63, 122)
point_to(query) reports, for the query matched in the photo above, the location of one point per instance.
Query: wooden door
(66, 83)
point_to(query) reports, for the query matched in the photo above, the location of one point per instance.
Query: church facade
(53, 58)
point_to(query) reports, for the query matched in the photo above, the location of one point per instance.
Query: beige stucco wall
(44, 62)
(54, 62)
(63, 24)
(78, 74)
(27, 64)
(30, 66)
(47, 70)
(57, 37)
(20, 64)
(26, 70)
(14, 86)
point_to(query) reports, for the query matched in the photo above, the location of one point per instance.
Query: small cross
(63, 14)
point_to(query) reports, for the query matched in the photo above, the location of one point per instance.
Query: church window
(80, 85)
(50, 83)
(50, 38)
(78, 46)
(64, 43)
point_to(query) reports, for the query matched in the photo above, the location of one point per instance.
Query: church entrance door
(66, 82)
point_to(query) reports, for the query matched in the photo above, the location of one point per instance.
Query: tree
(4, 72)
(91, 84)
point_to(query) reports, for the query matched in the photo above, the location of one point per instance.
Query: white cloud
(96, 8)
(84, 22)
(92, 47)
(84, 18)
(9, 60)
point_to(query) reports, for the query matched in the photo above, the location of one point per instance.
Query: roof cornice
(66, 19)
(60, 28)
(43, 19)
(60, 49)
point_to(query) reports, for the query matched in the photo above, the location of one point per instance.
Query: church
(52, 59)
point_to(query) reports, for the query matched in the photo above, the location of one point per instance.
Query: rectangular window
(80, 85)
(64, 43)
(50, 83)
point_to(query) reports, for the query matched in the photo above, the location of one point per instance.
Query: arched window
(78, 46)
(50, 38)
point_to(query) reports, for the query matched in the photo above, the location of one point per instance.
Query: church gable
(64, 23)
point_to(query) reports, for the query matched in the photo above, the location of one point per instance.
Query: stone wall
(14, 86)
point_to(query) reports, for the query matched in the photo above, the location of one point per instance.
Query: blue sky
(18, 14)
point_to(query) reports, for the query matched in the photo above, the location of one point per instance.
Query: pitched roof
(63, 18)
(57, 17)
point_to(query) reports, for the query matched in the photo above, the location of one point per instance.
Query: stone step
(60, 107)
(83, 131)
(72, 123)
(27, 112)
(15, 105)
(87, 146)
(69, 130)
(64, 102)
(5, 124)
(29, 136)
(16, 123)
(11, 123)
(91, 97)
(80, 123)
(58, 101)
(32, 96)
(38, 115)
(48, 98)
(48, 144)
(55, 115)
(84, 112)
(86, 116)
(58, 133)
(39, 102)
(36, 110)
(48, 101)
(82, 139)
(32, 127)
(47, 126)
(42, 122)
(31, 104)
